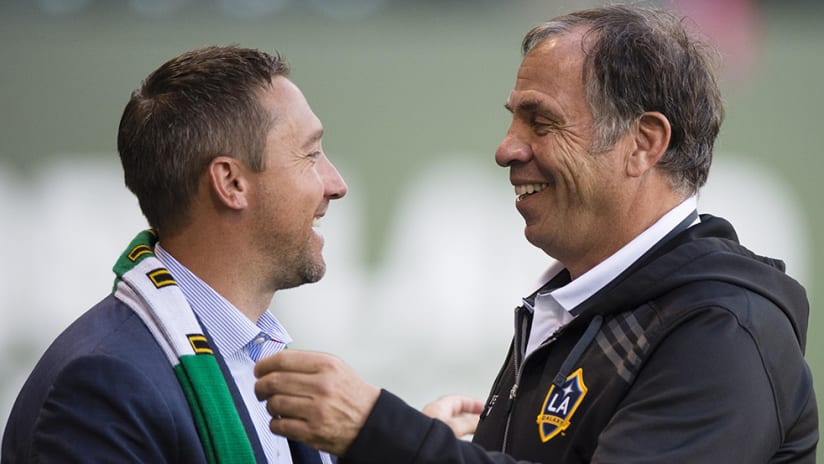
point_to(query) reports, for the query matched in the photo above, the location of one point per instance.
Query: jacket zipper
(518, 353)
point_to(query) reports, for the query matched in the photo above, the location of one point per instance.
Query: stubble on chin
(313, 265)
(313, 271)
(307, 266)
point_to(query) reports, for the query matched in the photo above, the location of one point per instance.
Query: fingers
(309, 434)
(460, 413)
(290, 383)
(299, 373)
(452, 405)
(314, 398)
(463, 424)
(292, 361)
(296, 429)
(287, 426)
(289, 406)
(458, 404)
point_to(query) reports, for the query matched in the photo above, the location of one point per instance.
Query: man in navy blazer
(104, 389)
(224, 155)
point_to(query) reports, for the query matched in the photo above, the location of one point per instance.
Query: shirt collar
(577, 291)
(228, 327)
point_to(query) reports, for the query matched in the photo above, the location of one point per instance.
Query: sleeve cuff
(393, 432)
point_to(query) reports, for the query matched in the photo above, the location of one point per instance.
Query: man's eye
(541, 125)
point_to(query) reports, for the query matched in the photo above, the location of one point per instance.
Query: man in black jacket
(657, 337)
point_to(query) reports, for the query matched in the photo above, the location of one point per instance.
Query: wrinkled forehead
(554, 59)
(556, 29)
(571, 41)
(550, 79)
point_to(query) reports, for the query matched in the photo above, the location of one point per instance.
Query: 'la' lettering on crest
(560, 405)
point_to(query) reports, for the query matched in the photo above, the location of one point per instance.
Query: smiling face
(570, 198)
(293, 191)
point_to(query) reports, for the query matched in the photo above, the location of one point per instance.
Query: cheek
(300, 188)
(563, 158)
(304, 196)
(312, 186)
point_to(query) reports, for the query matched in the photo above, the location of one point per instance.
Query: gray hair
(640, 60)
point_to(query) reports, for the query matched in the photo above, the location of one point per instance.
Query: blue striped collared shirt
(240, 342)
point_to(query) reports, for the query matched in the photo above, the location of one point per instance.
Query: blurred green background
(403, 87)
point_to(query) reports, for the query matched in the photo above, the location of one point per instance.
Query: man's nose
(334, 185)
(511, 150)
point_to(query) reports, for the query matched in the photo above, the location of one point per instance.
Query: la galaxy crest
(560, 405)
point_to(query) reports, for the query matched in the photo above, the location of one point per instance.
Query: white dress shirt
(552, 309)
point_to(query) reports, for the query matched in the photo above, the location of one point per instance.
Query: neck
(624, 225)
(220, 264)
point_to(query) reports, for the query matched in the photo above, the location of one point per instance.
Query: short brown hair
(197, 106)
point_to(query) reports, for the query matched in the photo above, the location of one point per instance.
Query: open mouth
(316, 222)
(525, 190)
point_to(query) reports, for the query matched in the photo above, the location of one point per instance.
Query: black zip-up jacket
(694, 354)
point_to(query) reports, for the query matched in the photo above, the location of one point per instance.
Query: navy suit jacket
(105, 392)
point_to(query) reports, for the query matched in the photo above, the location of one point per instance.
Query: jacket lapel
(260, 456)
(302, 454)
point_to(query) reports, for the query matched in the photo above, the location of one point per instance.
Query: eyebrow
(527, 106)
(314, 137)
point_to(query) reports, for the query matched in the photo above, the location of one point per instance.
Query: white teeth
(316, 222)
(528, 189)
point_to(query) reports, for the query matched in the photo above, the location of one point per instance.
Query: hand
(314, 398)
(461, 413)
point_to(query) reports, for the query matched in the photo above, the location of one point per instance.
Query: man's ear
(228, 183)
(652, 136)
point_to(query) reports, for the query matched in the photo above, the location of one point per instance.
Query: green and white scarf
(151, 292)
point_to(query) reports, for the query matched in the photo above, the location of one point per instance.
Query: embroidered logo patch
(161, 277)
(200, 344)
(560, 405)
